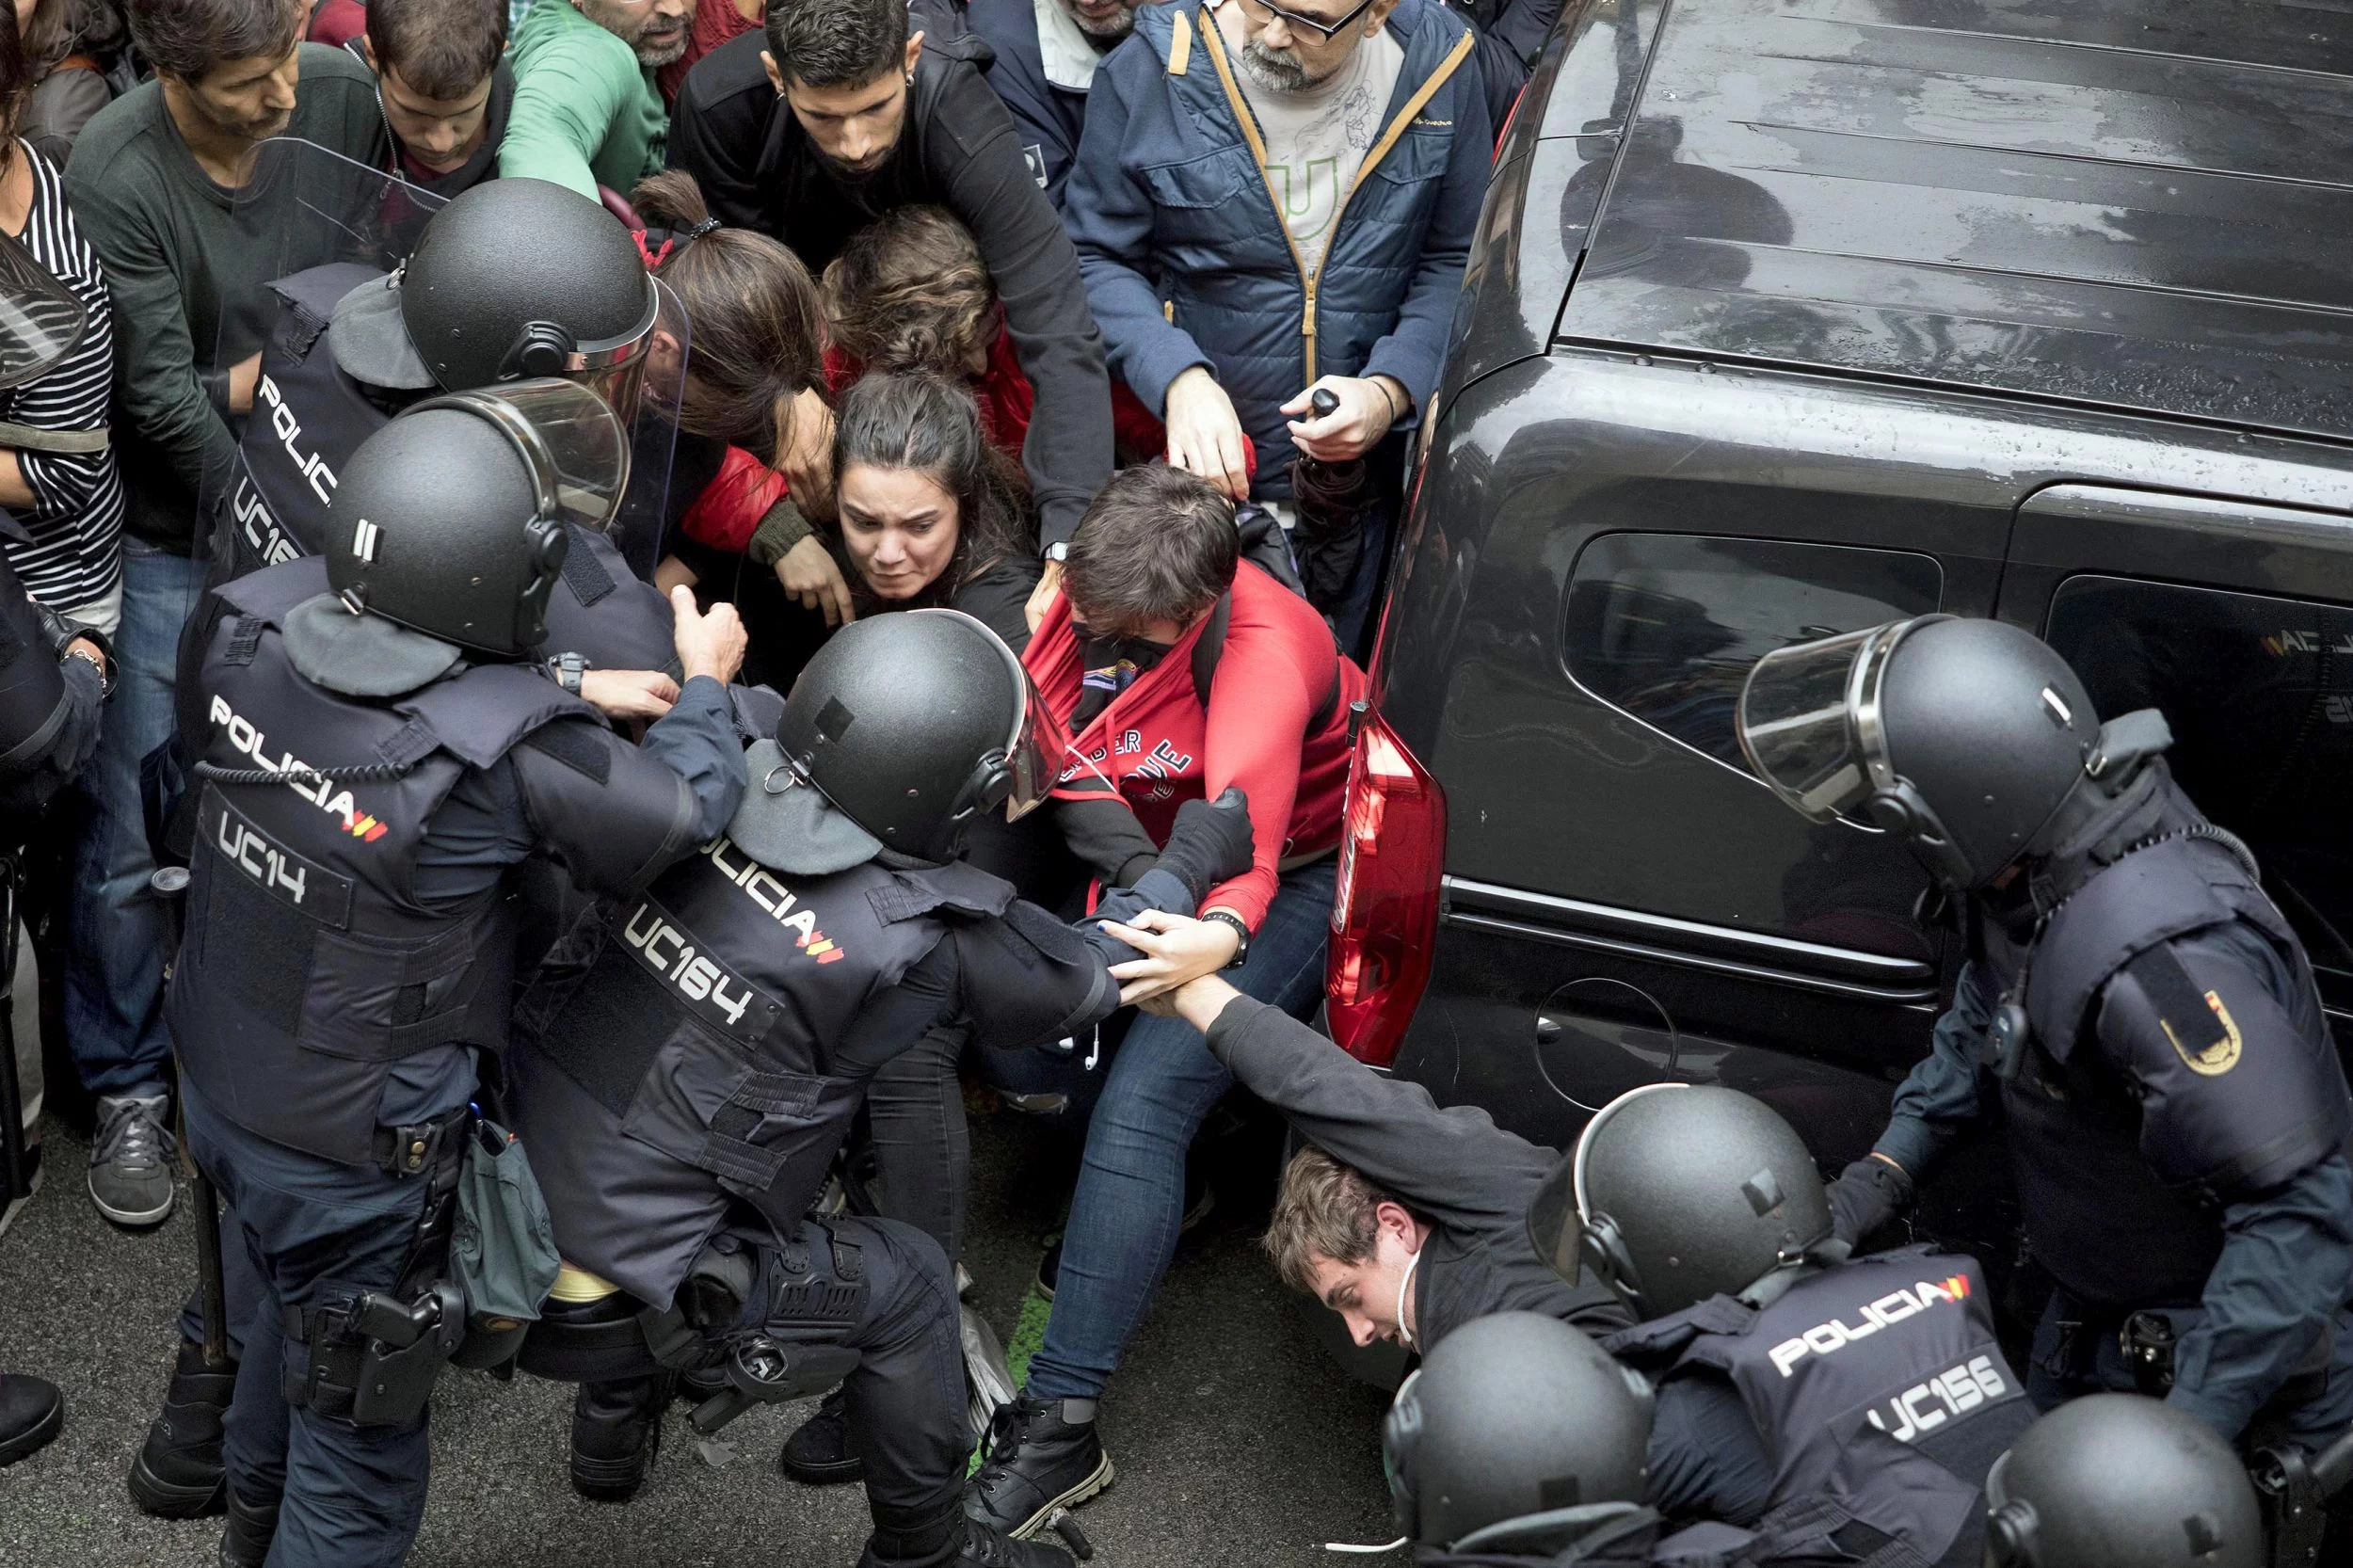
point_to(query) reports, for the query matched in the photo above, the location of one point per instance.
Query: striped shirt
(75, 556)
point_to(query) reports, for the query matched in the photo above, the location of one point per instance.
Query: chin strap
(1405, 1333)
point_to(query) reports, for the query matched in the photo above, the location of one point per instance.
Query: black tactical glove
(1210, 843)
(1866, 1195)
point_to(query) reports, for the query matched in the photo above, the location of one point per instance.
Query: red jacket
(729, 511)
(1276, 724)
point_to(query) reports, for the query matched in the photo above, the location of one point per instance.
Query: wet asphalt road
(1236, 1438)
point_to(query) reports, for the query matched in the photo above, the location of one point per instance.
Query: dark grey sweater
(1452, 1164)
(190, 280)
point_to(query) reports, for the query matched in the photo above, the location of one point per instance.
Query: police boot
(251, 1528)
(617, 1432)
(933, 1538)
(177, 1473)
(1042, 1455)
(818, 1453)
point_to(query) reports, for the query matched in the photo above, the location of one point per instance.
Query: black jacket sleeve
(1452, 1164)
(718, 129)
(1507, 50)
(973, 152)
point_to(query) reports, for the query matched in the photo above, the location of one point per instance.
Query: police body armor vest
(677, 1057)
(309, 966)
(309, 416)
(2100, 1219)
(1878, 1387)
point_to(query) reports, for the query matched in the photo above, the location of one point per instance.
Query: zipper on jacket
(1310, 281)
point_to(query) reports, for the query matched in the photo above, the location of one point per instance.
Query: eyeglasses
(1324, 30)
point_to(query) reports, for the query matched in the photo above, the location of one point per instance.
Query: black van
(1796, 316)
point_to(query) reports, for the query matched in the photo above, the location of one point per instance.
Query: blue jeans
(1164, 1082)
(351, 1496)
(116, 930)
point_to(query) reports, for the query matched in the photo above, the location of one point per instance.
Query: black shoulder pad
(2235, 1097)
(1029, 979)
(955, 888)
(614, 830)
(758, 711)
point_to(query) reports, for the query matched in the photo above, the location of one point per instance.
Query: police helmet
(1512, 1418)
(1678, 1193)
(912, 725)
(2117, 1480)
(1965, 738)
(452, 520)
(524, 278)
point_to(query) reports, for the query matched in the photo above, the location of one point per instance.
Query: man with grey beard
(1297, 182)
(1047, 52)
(587, 111)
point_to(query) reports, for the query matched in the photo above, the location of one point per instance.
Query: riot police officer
(2139, 1011)
(688, 1065)
(2118, 1480)
(515, 278)
(375, 752)
(1875, 1386)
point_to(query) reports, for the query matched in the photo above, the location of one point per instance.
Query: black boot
(617, 1432)
(1037, 1460)
(905, 1538)
(177, 1473)
(251, 1528)
(32, 1413)
(818, 1453)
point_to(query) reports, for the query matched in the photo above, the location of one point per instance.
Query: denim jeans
(116, 930)
(352, 1496)
(1164, 1082)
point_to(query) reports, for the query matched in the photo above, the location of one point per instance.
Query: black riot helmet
(451, 520)
(1965, 738)
(1677, 1192)
(2117, 1480)
(524, 278)
(913, 723)
(1510, 1420)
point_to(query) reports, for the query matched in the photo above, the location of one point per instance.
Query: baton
(169, 884)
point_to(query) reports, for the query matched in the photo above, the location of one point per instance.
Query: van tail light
(1384, 918)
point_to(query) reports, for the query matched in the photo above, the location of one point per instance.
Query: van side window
(2259, 692)
(1665, 626)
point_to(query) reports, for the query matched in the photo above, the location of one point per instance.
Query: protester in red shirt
(1176, 669)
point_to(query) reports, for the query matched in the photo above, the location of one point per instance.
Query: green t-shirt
(586, 114)
(190, 281)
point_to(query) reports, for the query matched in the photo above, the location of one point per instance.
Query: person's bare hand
(1174, 949)
(809, 573)
(1368, 406)
(804, 455)
(1042, 597)
(1205, 436)
(243, 377)
(628, 694)
(708, 643)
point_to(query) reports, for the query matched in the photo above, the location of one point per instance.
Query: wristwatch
(1241, 935)
(1058, 553)
(568, 668)
(96, 660)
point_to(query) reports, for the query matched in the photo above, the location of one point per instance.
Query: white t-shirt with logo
(1316, 140)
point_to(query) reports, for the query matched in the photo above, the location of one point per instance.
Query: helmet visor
(572, 442)
(1808, 719)
(1555, 1227)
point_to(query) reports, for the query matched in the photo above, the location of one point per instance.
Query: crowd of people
(668, 578)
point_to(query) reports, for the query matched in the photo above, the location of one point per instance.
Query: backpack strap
(1210, 647)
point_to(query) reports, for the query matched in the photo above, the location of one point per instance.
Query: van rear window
(2259, 692)
(1665, 626)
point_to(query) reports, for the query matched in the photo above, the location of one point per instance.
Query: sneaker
(1200, 1201)
(976, 1546)
(130, 1160)
(616, 1435)
(1036, 1462)
(32, 1413)
(177, 1473)
(818, 1453)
